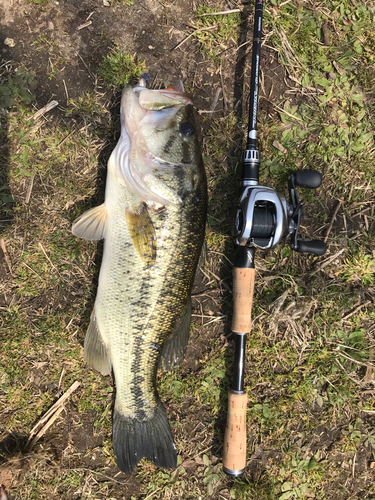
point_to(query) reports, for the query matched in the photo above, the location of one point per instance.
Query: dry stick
(332, 221)
(66, 138)
(6, 256)
(84, 25)
(220, 13)
(88, 69)
(53, 409)
(216, 98)
(66, 92)
(361, 212)
(328, 261)
(286, 113)
(191, 34)
(44, 429)
(44, 110)
(29, 189)
(46, 256)
(356, 310)
(223, 90)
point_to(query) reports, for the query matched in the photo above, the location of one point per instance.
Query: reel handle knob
(311, 179)
(317, 247)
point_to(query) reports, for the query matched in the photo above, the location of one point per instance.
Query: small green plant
(360, 267)
(15, 86)
(44, 43)
(118, 68)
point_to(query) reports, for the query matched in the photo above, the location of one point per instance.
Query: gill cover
(143, 112)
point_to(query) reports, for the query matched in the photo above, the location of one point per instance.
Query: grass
(309, 360)
(215, 34)
(118, 68)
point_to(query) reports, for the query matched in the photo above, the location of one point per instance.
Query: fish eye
(186, 129)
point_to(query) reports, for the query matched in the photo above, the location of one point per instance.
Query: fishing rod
(262, 218)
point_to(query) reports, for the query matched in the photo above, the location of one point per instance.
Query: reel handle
(317, 247)
(310, 179)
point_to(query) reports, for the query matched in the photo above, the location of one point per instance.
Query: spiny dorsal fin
(142, 233)
(92, 224)
(95, 350)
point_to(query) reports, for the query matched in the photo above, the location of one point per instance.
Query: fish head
(161, 134)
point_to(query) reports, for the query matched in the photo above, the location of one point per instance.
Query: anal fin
(95, 349)
(175, 346)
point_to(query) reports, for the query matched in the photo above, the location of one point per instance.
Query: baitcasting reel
(263, 216)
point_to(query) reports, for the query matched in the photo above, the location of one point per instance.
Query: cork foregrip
(234, 455)
(243, 290)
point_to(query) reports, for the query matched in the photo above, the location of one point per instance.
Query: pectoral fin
(92, 224)
(174, 348)
(95, 349)
(142, 233)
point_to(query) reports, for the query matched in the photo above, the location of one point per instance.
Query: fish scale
(153, 222)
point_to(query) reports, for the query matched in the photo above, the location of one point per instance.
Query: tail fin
(134, 439)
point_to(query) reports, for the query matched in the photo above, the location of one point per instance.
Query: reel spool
(263, 216)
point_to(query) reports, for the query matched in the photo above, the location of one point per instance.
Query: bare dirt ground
(49, 281)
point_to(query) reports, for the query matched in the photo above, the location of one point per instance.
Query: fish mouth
(135, 161)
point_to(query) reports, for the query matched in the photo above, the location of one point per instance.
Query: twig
(61, 377)
(84, 25)
(6, 256)
(46, 256)
(328, 261)
(227, 287)
(286, 113)
(66, 92)
(223, 90)
(223, 255)
(29, 189)
(361, 212)
(332, 221)
(218, 318)
(54, 408)
(356, 310)
(280, 147)
(152, 493)
(220, 13)
(216, 98)
(207, 316)
(355, 456)
(191, 34)
(44, 429)
(44, 110)
(353, 360)
(66, 138)
(88, 69)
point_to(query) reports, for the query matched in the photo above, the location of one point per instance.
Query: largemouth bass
(153, 222)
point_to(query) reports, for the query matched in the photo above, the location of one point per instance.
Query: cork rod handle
(234, 455)
(243, 291)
